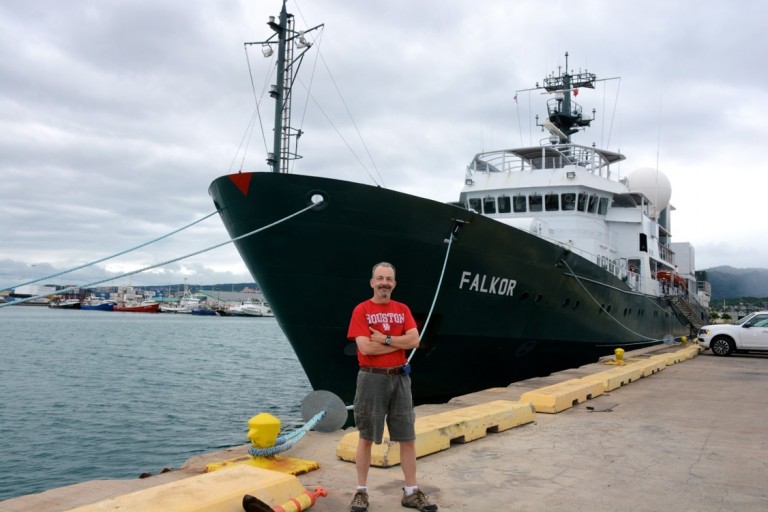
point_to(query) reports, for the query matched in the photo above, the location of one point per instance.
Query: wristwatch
(388, 340)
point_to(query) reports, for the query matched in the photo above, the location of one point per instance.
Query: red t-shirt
(393, 318)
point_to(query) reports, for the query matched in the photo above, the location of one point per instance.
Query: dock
(679, 430)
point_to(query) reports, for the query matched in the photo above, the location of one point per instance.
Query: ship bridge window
(552, 202)
(582, 204)
(569, 201)
(535, 203)
(519, 203)
(592, 208)
(489, 204)
(474, 204)
(602, 207)
(505, 206)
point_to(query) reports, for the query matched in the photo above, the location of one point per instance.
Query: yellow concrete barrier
(220, 491)
(616, 377)
(650, 365)
(564, 395)
(435, 432)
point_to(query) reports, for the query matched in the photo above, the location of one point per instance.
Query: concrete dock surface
(691, 437)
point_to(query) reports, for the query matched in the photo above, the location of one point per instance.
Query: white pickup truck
(750, 334)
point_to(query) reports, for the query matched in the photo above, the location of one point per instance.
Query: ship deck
(688, 437)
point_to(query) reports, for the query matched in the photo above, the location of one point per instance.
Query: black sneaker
(418, 500)
(359, 502)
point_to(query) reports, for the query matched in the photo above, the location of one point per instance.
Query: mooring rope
(285, 442)
(126, 274)
(110, 256)
(606, 311)
(434, 299)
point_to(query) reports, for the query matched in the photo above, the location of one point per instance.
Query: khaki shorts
(384, 398)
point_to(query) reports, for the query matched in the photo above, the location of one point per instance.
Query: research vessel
(547, 260)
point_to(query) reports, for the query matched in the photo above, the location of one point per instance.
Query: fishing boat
(65, 304)
(548, 259)
(140, 307)
(184, 305)
(250, 308)
(96, 304)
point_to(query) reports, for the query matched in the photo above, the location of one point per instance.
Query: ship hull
(510, 305)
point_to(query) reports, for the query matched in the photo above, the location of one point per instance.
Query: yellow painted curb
(435, 432)
(564, 395)
(220, 491)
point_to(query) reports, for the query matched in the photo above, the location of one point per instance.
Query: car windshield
(746, 319)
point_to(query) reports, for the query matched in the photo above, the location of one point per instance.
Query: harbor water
(90, 395)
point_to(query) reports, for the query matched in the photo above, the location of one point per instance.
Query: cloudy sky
(117, 114)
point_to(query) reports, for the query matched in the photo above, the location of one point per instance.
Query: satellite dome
(653, 184)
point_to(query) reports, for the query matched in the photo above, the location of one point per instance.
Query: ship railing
(551, 157)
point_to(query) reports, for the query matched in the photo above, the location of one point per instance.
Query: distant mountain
(728, 282)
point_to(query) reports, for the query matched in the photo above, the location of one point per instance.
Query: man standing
(383, 330)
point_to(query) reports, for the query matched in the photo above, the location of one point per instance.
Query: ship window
(602, 207)
(519, 203)
(592, 208)
(582, 204)
(534, 203)
(474, 204)
(489, 204)
(552, 202)
(504, 204)
(569, 201)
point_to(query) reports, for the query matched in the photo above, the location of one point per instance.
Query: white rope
(126, 274)
(434, 300)
(606, 311)
(111, 256)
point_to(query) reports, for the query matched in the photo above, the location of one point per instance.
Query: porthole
(524, 296)
(566, 301)
(538, 298)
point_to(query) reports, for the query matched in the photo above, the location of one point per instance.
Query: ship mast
(287, 41)
(565, 115)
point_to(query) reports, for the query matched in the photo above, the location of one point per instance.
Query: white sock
(363, 488)
(410, 490)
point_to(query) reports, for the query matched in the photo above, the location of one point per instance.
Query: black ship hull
(510, 305)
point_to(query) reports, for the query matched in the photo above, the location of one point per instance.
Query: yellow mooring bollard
(321, 410)
(263, 430)
(619, 360)
(684, 340)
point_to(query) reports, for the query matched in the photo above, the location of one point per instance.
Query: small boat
(142, 307)
(65, 304)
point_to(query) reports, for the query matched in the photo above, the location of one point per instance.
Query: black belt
(396, 370)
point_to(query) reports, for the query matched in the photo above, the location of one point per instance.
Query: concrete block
(220, 491)
(650, 365)
(435, 432)
(564, 395)
(616, 377)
